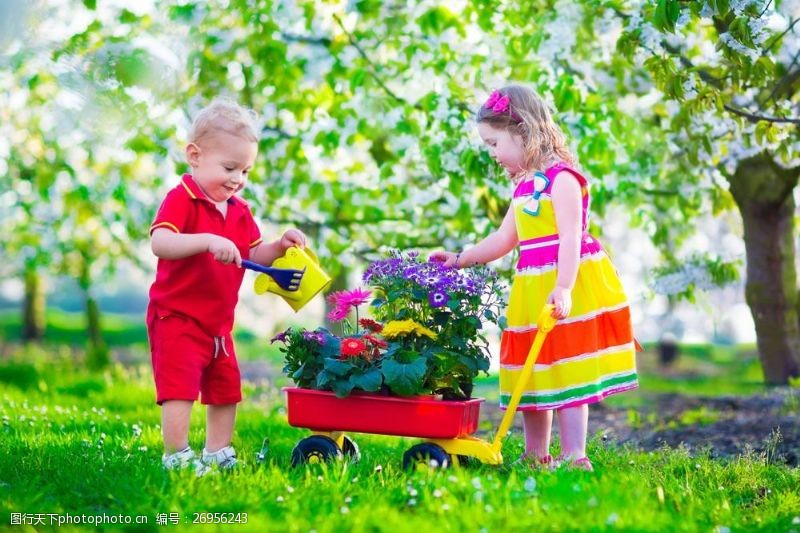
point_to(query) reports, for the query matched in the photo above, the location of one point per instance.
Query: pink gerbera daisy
(352, 298)
(337, 314)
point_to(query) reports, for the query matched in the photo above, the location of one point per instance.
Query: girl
(590, 353)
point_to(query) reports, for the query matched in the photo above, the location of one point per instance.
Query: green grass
(122, 332)
(79, 443)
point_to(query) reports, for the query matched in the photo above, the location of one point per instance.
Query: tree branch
(337, 222)
(660, 192)
(780, 36)
(366, 58)
(274, 129)
(306, 39)
(752, 117)
(766, 7)
(788, 76)
(716, 82)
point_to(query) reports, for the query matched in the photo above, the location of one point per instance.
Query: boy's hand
(224, 250)
(293, 237)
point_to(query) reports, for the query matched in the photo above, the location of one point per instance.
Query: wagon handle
(544, 324)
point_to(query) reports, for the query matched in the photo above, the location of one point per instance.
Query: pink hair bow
(499, 103)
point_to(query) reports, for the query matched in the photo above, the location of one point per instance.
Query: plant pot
(421, 416)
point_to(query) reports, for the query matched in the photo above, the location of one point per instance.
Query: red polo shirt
(199, 286)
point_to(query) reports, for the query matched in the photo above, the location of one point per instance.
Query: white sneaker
(179, 460)
(224, 459)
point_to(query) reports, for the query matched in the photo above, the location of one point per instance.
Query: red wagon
(421, 416)
(447, 426)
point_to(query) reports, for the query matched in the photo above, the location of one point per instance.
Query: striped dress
(588, 355)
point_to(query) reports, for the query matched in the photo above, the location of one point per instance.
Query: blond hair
(529, 117)
(225, 115)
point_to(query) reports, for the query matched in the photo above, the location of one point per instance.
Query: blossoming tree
(367, 106)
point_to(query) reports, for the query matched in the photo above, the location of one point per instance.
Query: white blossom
(731, 42)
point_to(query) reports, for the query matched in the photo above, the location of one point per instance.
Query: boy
(200, 235)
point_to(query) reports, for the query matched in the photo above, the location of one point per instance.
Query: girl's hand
(293, 237)
(561, 298)
(448, 259)
(224, 250)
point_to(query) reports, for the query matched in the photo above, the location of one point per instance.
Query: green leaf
(357, 79)
(342, 387)
(437, 20)
(128, 17)
(90, 4)
(337, 367)
(182, 13)
(324, 378)
(404, 379)
(370, 381)
(332, 346)
(761, 129)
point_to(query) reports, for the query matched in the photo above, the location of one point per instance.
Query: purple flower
(437, 298)
(280, 337)
(315, 336)
(383, 268)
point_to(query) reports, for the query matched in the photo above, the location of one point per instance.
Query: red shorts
(187, 361)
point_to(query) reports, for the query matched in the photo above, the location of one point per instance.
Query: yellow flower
(399, 328)
(422, 330)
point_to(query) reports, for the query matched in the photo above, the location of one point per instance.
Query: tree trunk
(97, 356)
(33, 319)
(764, 194)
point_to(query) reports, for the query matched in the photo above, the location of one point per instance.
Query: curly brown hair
(529, 117)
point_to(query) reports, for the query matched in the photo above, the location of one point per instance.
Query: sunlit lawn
(79, 443)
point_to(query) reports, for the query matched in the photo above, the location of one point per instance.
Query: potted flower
(428, 337)
(321, 360)
(434, 321)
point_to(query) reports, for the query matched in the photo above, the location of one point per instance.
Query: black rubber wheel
(350, 449)
(427, 454)
(315, 449)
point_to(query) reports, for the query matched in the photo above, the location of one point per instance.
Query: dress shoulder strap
(561, 166)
